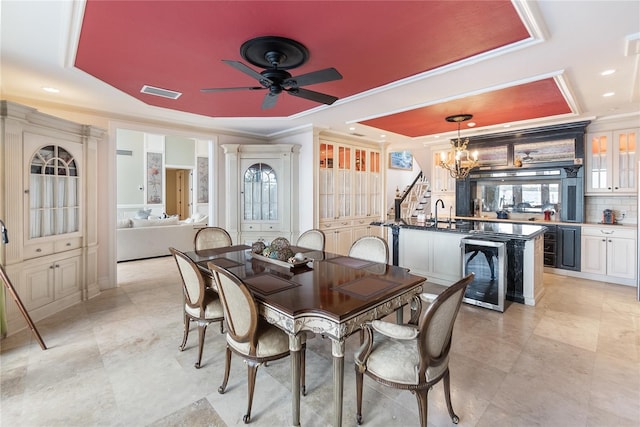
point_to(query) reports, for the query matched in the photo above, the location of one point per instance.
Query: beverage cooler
(486, 257)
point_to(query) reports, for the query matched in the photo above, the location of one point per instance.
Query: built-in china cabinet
(49, 205)
(350, 190)
(261, 189)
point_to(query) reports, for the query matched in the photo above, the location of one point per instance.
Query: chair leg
(359, 379)
(423, 404)
(303, 386)
(187, 321)
(202, 329)
(252, 370)
(447, 396)
(227, 368)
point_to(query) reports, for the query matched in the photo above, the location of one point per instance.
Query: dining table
(323, 293)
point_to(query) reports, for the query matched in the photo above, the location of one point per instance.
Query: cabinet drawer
(260, 227)
(338, 223)
(362, 221)
(38, 250)
(610, 232)
(67, 244)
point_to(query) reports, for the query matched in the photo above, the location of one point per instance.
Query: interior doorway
(178, 192)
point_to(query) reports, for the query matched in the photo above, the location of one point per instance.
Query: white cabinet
(433, 254)
(443, 182)
(611, 162)
(609, 254)
(350, 189)
(443, 187)
(50, 204)
(261, 182)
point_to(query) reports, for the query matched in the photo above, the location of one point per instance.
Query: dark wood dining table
(331, 294)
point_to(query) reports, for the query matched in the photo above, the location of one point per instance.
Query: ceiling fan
(527, 155)
(276, 55)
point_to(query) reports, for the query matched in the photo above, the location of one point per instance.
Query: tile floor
(573, 360)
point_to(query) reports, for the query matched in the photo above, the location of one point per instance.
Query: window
(260, 193)
(53, 193)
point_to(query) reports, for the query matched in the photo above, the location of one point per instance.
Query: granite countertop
(477, 227)
(538, 221)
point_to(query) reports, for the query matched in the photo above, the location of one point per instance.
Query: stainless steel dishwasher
(487, 258)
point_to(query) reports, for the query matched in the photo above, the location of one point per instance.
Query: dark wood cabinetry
(567, 166)
(568, 249)
(562, 247)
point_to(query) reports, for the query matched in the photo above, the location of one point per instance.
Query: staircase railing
(398, 200)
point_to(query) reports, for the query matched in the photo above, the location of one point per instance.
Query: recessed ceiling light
(352, 128)
(382, 135)
(50, 89)
(607, 72)
(608, 94)
(471, 124)
(506, 126)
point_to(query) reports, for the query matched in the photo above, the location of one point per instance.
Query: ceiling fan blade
(320, 76)
(269, 101)
(228, 89)
(249, 71)
(313, 95)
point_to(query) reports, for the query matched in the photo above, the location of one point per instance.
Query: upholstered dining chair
(248, 334)
(370, 248)
(412, 357)
(201, 304)
(211, 238)
(311, 239)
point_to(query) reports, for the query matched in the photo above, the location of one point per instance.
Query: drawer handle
(68, 244)
(606, 232)
(38, 250)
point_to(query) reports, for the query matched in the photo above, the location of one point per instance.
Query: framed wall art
(154, 178)
(401, 160)
(203, 180)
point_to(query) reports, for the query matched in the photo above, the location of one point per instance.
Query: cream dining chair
(311, 239)
(211, 238)
(412, 357)
(370, 248)
(201, 304)
(248, 334)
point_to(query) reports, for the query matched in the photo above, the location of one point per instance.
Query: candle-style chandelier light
(458, 161)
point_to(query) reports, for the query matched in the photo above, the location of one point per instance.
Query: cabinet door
(599, 163)
(621, 257)
(594, 254)
(360, 183)
(338, 241)
(67, 274)
(624, 161)
(443, 182)
(326, 182)
(375, 185)
(568, 247)
(53, 183)
(38, 286)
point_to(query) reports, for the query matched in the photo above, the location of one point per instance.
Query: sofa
(148, 238)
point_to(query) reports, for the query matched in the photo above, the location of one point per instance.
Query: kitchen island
(434, 251)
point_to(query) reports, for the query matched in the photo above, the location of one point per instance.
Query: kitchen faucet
(442, 206)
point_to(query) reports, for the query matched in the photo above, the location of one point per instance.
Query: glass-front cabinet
(261, 182)
(350, 192)
(612, 162)
(49, 203)
(54, 203)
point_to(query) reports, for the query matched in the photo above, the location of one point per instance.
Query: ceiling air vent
(165, 93)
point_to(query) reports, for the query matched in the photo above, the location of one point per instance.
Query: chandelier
(458, 161)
